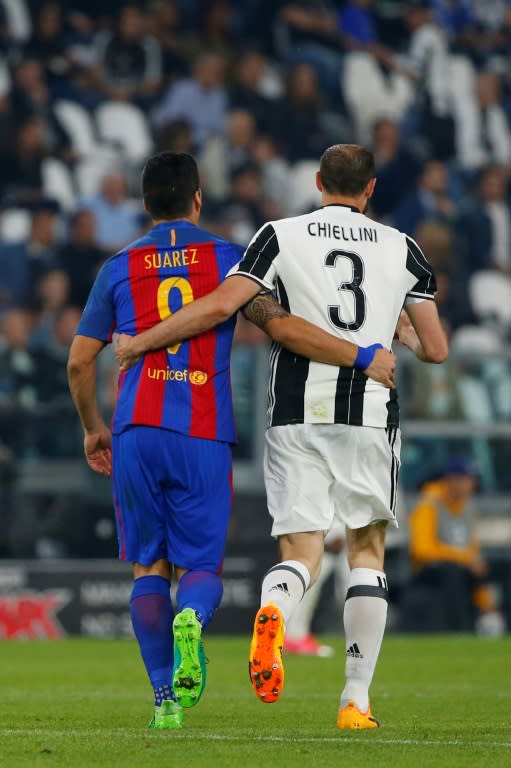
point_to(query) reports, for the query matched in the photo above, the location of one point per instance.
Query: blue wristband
(365, 356)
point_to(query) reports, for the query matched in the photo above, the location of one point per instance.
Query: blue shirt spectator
(356, 21)
(201, 100)
(453, 15)
(117, 218)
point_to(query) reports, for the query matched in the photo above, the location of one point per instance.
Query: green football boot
(189, 677)
(168, 716)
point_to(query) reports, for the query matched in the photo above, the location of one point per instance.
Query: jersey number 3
(163, 300)
(354, 287)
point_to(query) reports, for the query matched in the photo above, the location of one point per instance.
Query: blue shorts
(172, 497)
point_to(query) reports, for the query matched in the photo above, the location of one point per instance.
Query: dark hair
(346, 169)
(169, 182)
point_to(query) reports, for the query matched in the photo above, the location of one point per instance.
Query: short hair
(346, 169)
(169, 182)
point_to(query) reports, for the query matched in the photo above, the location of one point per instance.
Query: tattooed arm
(305, 339)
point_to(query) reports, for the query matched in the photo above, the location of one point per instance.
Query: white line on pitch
(48, 733)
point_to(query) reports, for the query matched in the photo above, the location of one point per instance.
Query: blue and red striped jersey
(187, 387)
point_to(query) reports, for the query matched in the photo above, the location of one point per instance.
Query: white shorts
(320, 475)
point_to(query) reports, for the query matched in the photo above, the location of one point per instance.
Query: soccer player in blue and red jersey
(173, 426)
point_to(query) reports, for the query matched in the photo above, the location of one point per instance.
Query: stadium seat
(475, 339)
(370, 95)
(58, 183)
(490, 297)
(90, 171)
(485, 394)
(15, 225)
(302, 186)
(125, 126)
(79, 125)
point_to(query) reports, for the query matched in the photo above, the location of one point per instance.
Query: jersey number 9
(163, 300)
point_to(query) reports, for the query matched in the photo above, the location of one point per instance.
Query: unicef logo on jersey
(198, 377)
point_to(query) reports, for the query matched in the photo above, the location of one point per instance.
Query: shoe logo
(354, 651)
(281, 588)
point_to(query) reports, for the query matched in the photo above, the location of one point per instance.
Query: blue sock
(202, 591)
(151, 616)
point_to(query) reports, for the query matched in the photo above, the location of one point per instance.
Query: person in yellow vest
(445, 553)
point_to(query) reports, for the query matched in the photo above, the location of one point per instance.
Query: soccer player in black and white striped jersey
(333, 442)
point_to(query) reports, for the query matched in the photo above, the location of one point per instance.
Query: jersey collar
(342, 205)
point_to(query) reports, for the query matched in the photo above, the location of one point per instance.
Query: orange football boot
(265, 660)
(351, 717)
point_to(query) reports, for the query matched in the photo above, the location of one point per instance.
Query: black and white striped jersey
(350, 276)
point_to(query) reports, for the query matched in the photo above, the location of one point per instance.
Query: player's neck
(359, 202)
(192, 219)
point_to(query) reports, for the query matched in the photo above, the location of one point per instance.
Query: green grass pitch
(442, 701)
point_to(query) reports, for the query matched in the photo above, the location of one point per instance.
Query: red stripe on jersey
(148, 407)
(203, 280)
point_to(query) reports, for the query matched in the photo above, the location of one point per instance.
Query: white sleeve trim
(269, 286)
(418, 298)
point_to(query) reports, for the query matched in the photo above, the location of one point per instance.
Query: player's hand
(383, 368)
(97, 445)
(126, 352)
(405, 332)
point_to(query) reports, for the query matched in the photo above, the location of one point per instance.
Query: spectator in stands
(16, 23)
(485, 136)
(52, 295)
(201, 99)
(427, 65)
(80, 257)
(436, 239)
(275, 171)
(358, 25)
(52, 390)
(166, 28)
(484, 227)
(215, 31)
(445, 552)
(221, 155)
(302, 109)
(175, 137)
(306, 32)
(397, 168)
(31, 97)
(359, 31)
(117, 219)
(457, 19)
(250, 89)
(129, 66)
(48, 42)
(246, 209)
(21, 161)
(493, 19)
(431, 199)
(23, 264)
(18, 379)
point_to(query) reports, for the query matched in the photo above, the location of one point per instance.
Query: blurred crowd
(256, 91)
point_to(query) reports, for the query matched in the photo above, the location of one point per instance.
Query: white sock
(284, 585)
(299, 625)
(365, 614)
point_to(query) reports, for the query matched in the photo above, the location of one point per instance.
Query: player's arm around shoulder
(308, 340)
(420, 329)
